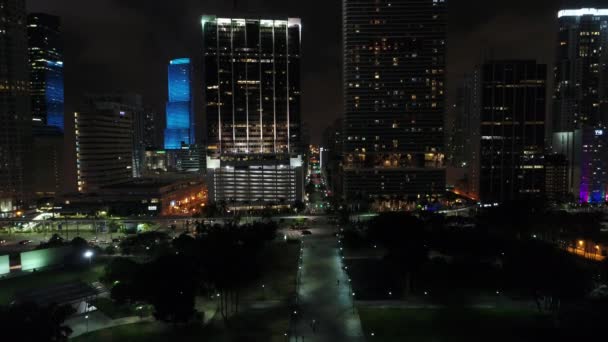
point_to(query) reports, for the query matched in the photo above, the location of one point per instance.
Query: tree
(27, 322)
(403, 236)
(550, 276)
(173, 300)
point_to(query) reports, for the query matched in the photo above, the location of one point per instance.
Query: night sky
(126, 44)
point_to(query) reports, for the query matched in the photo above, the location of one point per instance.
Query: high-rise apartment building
(104, 145)
(394, 98)
(180, 114)
(513, 101)
(580, 106)
(15, 115)
(581, 69)
(46, 69)
(251, 75)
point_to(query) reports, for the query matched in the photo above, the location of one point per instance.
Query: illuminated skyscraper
(394, 94)
(180, 114)
(580, 106)
(581, 69)
(46, 69)
(252, 97)
(252, 84)
(15, 116)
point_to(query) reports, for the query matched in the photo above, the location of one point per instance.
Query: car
(306, 232)
(25, 242)
(2, 241)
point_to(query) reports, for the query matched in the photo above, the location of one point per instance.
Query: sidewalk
(321, 298)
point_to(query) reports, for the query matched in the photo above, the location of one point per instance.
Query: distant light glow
(581, 12)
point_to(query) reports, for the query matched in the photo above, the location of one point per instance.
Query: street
(325, 296)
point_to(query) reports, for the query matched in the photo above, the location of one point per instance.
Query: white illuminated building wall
(272, 181)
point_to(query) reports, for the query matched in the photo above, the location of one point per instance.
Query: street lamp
(88, 254)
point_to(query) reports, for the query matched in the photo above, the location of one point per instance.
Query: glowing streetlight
(88, 254)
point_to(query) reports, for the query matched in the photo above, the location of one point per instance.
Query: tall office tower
(48, 151)
(394, 94)
(581, 69)
(580, 106)
(152, 129)
(180, 113)
(513, 100)
(133, 104)
(46, 69)
(464, 144)
(104, 145)
(15, 115)
(252, 96)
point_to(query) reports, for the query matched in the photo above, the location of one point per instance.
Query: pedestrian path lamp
(88, 255)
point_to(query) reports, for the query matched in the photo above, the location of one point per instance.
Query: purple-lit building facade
(587, 151)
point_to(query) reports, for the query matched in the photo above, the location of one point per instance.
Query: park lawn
(438, 325)
(41, 279)
(280, 263)
(253, 326)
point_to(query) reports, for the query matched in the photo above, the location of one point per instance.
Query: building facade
(556, 178)
(464, 144)
(46, 69)
(133, 104)
(180, 114)
(252, 96)
(586, 153)
(104, 146)
(580, 105)
(513, 101)
(15, 115)
(48, 160)
(394, 98)
(581, 69)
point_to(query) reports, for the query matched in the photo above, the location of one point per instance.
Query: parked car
(306, 232)
(25, 242)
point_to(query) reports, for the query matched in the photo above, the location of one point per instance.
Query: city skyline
(488, 33)
(284, 170)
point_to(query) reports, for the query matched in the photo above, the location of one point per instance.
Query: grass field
(253, 326)
(438, 325)
(279, 273)
(8, 287)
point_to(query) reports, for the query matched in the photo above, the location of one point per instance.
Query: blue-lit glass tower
(180, 113)
(46, 69)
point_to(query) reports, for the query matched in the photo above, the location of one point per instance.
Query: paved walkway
(320, 297)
